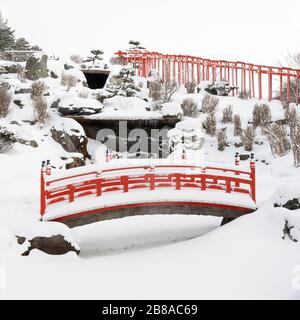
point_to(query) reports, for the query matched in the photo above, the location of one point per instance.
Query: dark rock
(55, 245)
(19, 103)
(70, 111)
(71, 143)
(53, 75)
(293, 204)
(55, 104)
(287, 231)
(31, 143)
(36, 67)
(244, 157)
(76, 162)
(15, 68)
(23, 91)
(85, 84)
(238, 145)
(68, 67)
(21, 240)
(31, 122)
(5, 85)
(15, 123)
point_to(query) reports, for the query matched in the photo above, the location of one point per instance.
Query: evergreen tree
(22, 44)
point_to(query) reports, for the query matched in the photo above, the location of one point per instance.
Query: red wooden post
(228, 185)
(71, 193)
(183, 156)
(249, 79)
(98, 187)
(289, 86)
(297, 88)
(237, 163)
(48, 168)
(178, 181)
(259, 84)
(281, 83)
(179, 72)
(151, 179)
(124, 181)
(203, 180)
(253, 178)
(43, 191)
(270, 71)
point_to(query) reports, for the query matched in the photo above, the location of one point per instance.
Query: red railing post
(253, 177)
(178, 181)
(237, 163)
(43, 191)
(124, 181)
(71, 193)
(151, 179)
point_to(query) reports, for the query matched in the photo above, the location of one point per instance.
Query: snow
(171, 109)
(170, 257)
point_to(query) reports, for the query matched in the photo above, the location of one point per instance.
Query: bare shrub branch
(227, 114)
(261, 115)
(209, 103)
(237, 125)
(222, 139)
(189, 108)
(5, 100)
(247, 137)
(210, 124)
(190, 86)
(278, 139)
(68, 80)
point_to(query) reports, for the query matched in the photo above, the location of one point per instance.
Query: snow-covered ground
(184, 257)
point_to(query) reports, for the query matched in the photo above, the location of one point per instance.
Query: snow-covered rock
(79, 106)
(171, 109)
(131, 105)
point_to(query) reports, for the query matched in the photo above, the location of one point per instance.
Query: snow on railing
(150, 176)
(248, 77)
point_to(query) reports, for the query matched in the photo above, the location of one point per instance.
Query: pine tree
(7, 37)
(22, 44)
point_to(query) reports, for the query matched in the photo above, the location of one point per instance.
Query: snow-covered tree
(22, 44)
(136, 45)
(7, 139)
(97, 55)
(7, 37)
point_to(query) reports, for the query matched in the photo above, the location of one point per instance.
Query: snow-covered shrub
(278, 139)
(37, 89)
(227, 114)
(210, 124)
(209, 103)
(68, 80)
(261, 115)
(295, 140)
(290, 115)
(5, 100)
(76, 58)
(40, 108)
(189, 108)
(123, 84)
(191, 86)
(7, 139)
(237, 125)
(222, 139)
(155, 90)
(248, 136)
(169, 87)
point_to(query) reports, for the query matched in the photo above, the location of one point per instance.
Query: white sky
(258, 31)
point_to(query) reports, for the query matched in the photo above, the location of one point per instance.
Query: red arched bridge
(247, 77)
(141, 187)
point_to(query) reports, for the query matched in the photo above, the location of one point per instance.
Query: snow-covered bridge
(123, 188)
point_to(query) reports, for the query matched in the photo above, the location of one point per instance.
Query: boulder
(70, 135)
(36, 66)
(54, 245)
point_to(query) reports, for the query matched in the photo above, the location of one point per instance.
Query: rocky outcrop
(293, 204)
(72, 140)
(54, 245)
(36, 67)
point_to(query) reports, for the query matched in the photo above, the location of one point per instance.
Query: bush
(279, 142)
(76, 58)
(169, 87)
(261, 115)
(68, 80)
(209, 103)
(248, 136)
(5, 100)
(295, 140)
(227, 114)
(290, 115)
(37, 89)
(190, 86)
(7, 139)
(244, 95)
(189, 108)
(237, 125)
(155, 90)
(40, 108)
(222, 139)
(210, 124)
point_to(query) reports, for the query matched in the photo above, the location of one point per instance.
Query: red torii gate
(184, 68)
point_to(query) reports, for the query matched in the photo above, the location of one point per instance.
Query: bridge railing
(247, 77)
(68, 188)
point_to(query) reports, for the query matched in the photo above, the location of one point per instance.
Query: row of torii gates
(248, 77)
